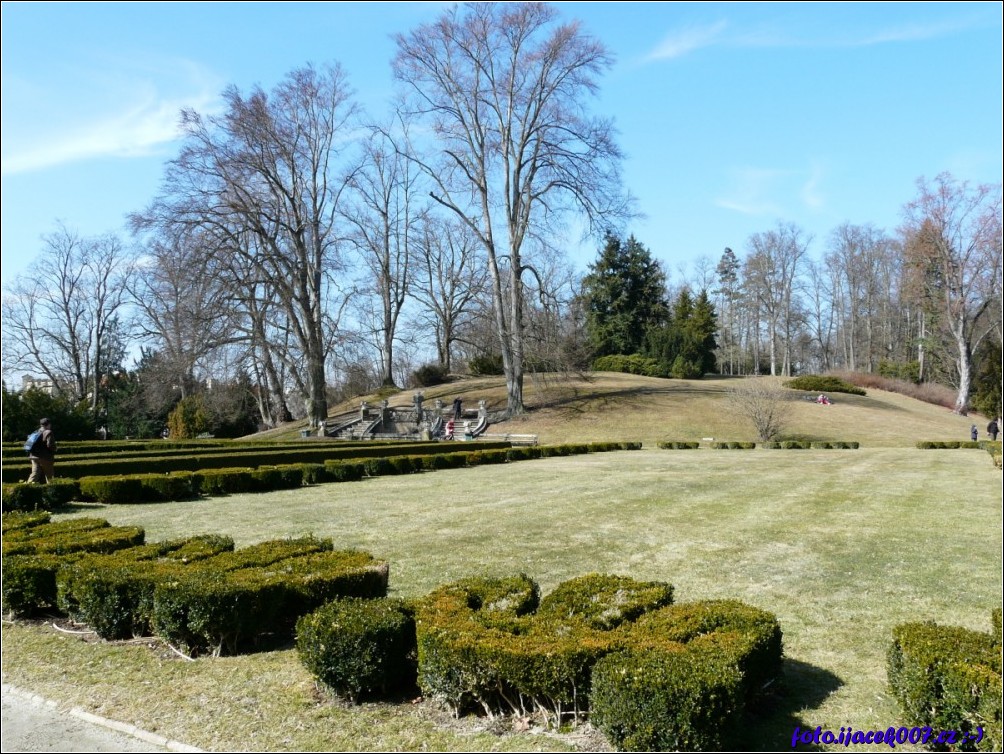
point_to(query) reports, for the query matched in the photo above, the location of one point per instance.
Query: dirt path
(31, 724)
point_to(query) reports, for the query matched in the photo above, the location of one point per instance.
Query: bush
(226, 481)
(815, 383)
(29, 583)
(339, 471)
(33, 497)
(428, 375)
(486, 365)
(356, 646)
(286, 477)
(666, 701)
(630, 364)
(678, 445)
(948, 678)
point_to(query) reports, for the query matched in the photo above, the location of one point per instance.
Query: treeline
(299, 252)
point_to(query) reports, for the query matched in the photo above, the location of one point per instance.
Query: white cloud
(684, 41)
(137, 119)
(751, 191)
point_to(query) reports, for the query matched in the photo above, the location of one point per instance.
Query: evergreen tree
(625, 297)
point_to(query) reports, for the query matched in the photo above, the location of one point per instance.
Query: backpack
(34, 438)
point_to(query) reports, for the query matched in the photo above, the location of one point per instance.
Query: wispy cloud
(725, 34)
(142, 119)
(773, 191)
(683, 41)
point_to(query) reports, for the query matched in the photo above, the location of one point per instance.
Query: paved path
(30, 723)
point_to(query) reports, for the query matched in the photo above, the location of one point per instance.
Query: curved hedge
(494, 644)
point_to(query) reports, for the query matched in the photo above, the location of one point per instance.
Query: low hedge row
(775, 445)
(953, 444)
(949, 678)
(306, 453)
(182, 485)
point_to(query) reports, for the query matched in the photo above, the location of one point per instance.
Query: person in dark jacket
(974, 433)
(43, 455)
(993, 429)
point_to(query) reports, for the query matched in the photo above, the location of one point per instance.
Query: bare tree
(182, 305)
(764, 402)
(954, 233)
(262, 182)
(384, 220)
(449, 280)
(504, 89)
(63, 318)
(772, 269)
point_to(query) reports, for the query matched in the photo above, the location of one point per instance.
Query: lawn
(840, 545)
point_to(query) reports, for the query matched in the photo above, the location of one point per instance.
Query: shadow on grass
(773, 718)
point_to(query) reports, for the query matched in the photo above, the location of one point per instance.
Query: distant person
(458, 408)
(993, 429)
(449, 430)
(974, 433)
(43, 454)
(823, 400)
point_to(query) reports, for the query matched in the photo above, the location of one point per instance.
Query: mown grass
(840, 545)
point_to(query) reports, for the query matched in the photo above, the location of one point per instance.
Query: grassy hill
(601, 406)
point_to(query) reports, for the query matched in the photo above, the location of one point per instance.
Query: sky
(733, 117)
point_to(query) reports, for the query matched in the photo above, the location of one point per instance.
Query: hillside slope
(611, 406)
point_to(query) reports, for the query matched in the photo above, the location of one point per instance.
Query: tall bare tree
(384, 218)
(263, 181)
(953, 231)
(183, 307)
(62, 319)
(504, 88)
(449, 281)
(772, 270)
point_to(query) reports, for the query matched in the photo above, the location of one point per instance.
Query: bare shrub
(928, 392)
(765, 402)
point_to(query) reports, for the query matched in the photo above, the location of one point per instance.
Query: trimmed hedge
(679, 445)
(949, 678)
(733, 445)
(242, 600)
(493, 644)
(666, 701)
(24, 496)
(356, 646)
(113, 594)
(34, 551)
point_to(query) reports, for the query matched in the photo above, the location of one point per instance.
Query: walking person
(993, 429)
(974, 433)
(43, 454)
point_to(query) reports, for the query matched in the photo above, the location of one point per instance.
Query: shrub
(178, 485)
(630, 364)
(286, 477)
(948, 678)
(339, 471)
(24, 520)
(29, 583)
(356, 646)
(226, 481)
(428, 375)
(666, 701)
(31, 497)
(815, 383)
(678, 445)
(313, 473)
(115, 489)
(486, 365)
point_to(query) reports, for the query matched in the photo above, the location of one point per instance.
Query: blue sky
(732, 116)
